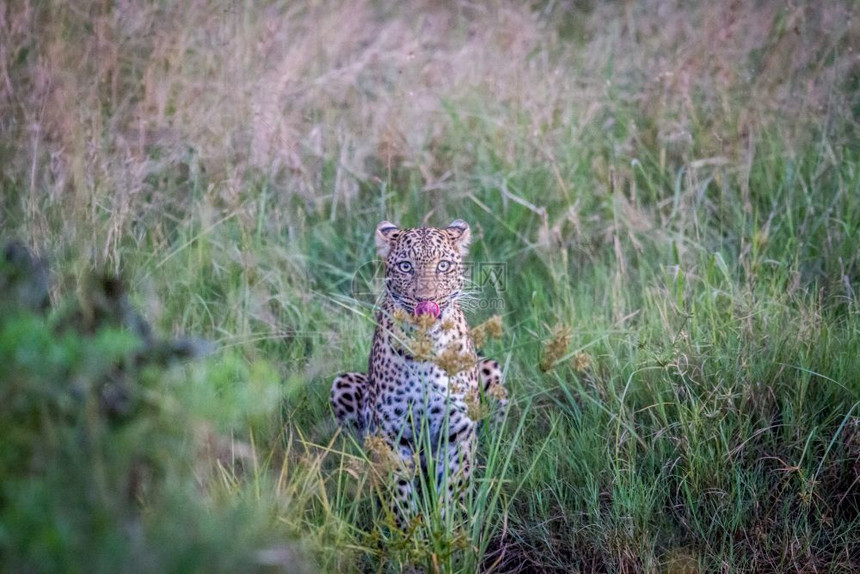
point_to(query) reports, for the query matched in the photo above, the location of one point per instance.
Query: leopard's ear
(458, 231)
(386, 232)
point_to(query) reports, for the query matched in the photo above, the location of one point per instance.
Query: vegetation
(672, 188)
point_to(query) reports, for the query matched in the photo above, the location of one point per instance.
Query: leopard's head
(423, 263)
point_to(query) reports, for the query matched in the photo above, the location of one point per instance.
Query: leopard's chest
(404, 386)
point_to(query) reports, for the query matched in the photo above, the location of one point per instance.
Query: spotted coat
(409, 396)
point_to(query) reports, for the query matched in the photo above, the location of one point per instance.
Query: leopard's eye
(404, 267)
(444, 266)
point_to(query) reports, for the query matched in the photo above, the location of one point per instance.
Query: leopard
(417, 404)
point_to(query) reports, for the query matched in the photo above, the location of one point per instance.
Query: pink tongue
(427, 308)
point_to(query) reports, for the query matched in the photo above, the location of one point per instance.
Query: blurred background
(140, 113)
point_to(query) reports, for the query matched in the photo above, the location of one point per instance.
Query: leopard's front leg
(399, 483)
(454, 460)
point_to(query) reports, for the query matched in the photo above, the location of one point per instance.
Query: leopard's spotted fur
(401, 393)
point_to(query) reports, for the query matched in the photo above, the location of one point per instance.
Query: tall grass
(672, 187)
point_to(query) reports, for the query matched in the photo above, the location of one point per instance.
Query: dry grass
(100, 102)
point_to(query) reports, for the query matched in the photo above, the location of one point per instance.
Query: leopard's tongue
(428, 308)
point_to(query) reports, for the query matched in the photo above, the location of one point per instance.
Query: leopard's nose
(425, 290)
(427, 293)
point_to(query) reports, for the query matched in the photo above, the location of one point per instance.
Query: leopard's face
(424, 263)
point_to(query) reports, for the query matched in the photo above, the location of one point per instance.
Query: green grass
(678, 213)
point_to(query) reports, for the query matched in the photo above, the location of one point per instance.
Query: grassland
(673, 187)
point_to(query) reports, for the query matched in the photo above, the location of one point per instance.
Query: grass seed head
(498, 392)
(581, 362)
(400, 316)
(477, 409)
(494, 326)
(453, 361)
(479, 336)
(422, 347)
(489, 329)
(383, 460)
(556, 348)
(425, 322)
